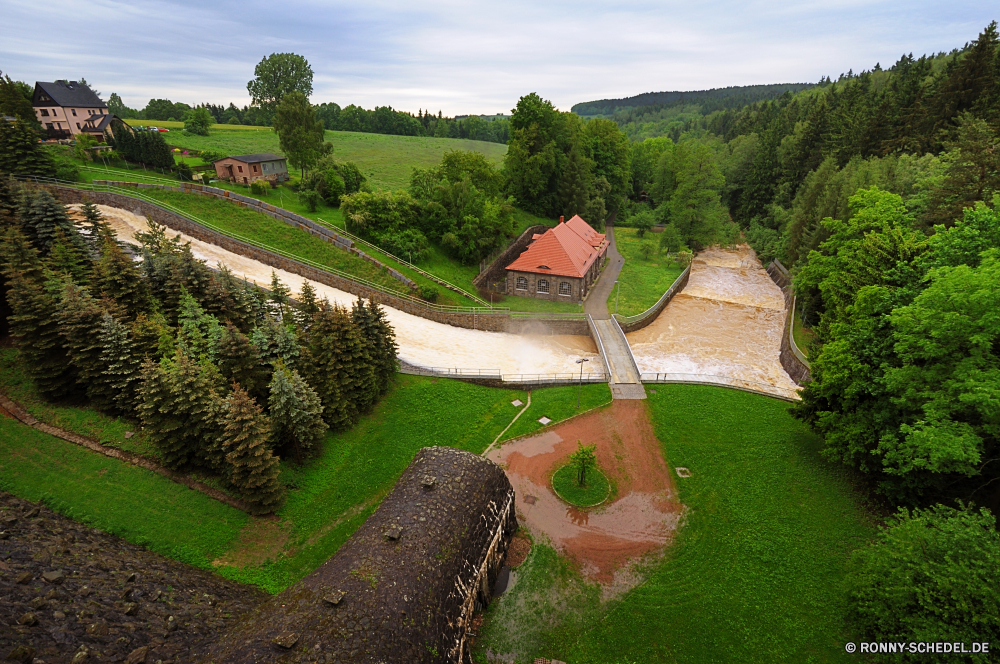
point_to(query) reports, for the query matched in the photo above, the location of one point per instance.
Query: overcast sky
(471, 56)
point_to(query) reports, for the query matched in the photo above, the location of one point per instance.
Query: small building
(246, 168)
(68, 108)
(560, 264)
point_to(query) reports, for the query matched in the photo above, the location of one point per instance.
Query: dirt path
(642, 515)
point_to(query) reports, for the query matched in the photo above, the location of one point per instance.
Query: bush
(429, 293)
(259, 187)
(233, 120)
(198, 121)
(310, 198)
(184, 172)
(671, 240)
(65, 171)
(210, 156)
(647, 250)
(931, 575)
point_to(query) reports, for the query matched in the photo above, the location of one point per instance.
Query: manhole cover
(652, 391)
(544, 420)
(530, 499)
(682, 471)
(517, 402)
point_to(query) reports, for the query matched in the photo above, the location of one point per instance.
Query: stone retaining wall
(496, 273)
(405, 586)
(631, 324)
(793, 366)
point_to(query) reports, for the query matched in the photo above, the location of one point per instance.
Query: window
(45, 112)
(48, 125)
(522, 283)
(543, 286)
(241, 168)
(255, 168)
(77, 125)
(565, 288)
(73, 111)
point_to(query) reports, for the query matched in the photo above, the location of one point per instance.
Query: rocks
(28, 620)
(32, 513)
(129, 434)
(130, 609)
(393, 532)
(38, 603)
(98, 629)
(81, 655)
(171, 624)
(131, 578)
(138, 656)
(286, 640)
(54, 577)
(21, 653)
(25, 577)
(335, 598)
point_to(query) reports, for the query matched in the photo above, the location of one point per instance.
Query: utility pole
(579, 391)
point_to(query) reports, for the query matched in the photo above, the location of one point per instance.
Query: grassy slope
(641, 281)
(557, 404)
(804, 336)
(386, 160)
(755, 573)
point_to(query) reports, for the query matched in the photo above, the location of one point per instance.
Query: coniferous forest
(225, 377)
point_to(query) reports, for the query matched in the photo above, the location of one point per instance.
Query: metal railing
(135, 194)
(669, 293)
(725, 381)
(432, 277)
(495, 374)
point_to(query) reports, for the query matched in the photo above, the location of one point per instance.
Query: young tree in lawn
(275, 77)
(300, 134)
(583, 460)
(296, 412)
(250, 466)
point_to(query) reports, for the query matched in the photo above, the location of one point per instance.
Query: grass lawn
(755, 573)
(803, 335)
(557, 404)
(387, 161)
(566, 486)
(642, 281)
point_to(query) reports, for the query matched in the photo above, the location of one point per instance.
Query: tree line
(222, 375)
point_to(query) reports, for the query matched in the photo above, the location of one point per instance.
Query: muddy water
(421, 342)
(638, 520)
(727, 322)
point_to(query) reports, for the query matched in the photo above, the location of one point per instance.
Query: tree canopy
(276, 76)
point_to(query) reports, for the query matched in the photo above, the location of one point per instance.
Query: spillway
(422, 342)
(727, 322)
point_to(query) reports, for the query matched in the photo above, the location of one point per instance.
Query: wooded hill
(734, 96)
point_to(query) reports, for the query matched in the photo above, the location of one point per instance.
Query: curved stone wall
(639, 321)
(796, 368)
(404, 587)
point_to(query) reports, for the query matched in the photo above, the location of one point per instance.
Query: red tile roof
(568, 250)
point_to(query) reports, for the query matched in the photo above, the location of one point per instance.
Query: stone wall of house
(577, 286)
(404, 587)
(793, 365)
(494, 277)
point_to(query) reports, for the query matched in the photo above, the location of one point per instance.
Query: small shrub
(259, 187)
(429, 293)
(69, 172)
(647, 250)
(310, 198)
(184, 172)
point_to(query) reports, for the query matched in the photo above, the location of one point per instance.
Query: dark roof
(68, 93)
(403, 588)
(98, 122)
(256, 158)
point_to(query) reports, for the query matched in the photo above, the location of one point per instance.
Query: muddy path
(637, 521)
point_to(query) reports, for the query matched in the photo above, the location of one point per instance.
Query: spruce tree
(239, 362)
(80, 321)
(252, 469)
(279, 297)
(296, 412)
(43, 218)
(274, 341)
(337, 363)
(116, 276)
(19, 150)
(307, 300)
(68, 261)
(372, 323)
(98, 229)
(35, 324)
(121, 372)
(200, 332)
(8, 202)
(148, 332)
(229, 300)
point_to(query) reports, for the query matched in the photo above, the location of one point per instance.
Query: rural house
(246, 168)
(68, 108)
(560, 264)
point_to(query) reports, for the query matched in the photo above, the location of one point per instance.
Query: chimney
(560, 219)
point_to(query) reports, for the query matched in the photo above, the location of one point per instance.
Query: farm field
(754, 574)
(386, 160)
(642, 280)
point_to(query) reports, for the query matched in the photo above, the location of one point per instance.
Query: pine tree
(116, 276)
(372, 323)
(972, 173)
(44, 218)
(180, 408)
(239, 362)
(274, 341)
(121, 372)
(98, 229)
(279, 297)
(296, 412)
(19, 149)
(252, 469)
(69, 261)
(337, 363)
(200, 332)
(80, 320)
(34, 323)
(307, 300)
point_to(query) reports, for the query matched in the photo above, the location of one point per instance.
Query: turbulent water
(727, 322)
(421, 342)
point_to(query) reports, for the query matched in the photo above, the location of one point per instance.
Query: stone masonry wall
(494, 277)
(649, 315)
(792, 365)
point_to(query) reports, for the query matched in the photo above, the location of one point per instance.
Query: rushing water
(421, 342)
(727, 321)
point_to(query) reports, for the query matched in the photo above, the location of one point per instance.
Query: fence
(639, 321)
(495, 378)
(724, 381)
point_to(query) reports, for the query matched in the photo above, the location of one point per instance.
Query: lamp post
(618, 289)
(580, 390)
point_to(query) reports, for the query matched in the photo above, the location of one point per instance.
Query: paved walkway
(597, 301)
(624, 381)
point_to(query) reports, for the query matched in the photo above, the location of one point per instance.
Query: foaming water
(728, 321)
(421, 342)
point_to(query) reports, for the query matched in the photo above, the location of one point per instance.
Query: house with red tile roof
(560, 264)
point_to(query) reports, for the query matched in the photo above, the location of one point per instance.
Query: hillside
(729, 97)
(386, 160)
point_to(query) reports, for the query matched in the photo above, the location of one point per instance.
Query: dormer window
(544, 267)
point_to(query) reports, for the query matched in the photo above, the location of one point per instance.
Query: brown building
(246, 168)
(560, 264)
(68, 108)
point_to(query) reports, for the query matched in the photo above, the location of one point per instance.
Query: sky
(468, 57)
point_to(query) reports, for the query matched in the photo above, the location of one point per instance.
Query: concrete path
(624, 381)
(597, 301)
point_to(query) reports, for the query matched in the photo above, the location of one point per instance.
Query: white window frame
(569, 289)
(518, 283)
(542, 286)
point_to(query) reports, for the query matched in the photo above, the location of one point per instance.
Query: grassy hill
(386, 160)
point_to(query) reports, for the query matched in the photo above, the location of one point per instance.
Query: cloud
(468, 57)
